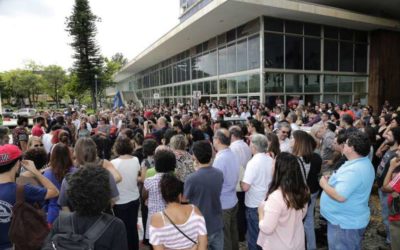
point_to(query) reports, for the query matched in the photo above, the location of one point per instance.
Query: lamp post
(95, 87)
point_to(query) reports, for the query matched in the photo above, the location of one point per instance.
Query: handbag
(194, 242)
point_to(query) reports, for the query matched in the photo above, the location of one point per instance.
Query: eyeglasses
(38, 145)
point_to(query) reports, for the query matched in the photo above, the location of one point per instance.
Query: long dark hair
(273, 144)
(303, 145)
(288, 178)
(60, 160)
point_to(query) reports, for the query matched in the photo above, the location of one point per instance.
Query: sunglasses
(38, 145)
(284, 132)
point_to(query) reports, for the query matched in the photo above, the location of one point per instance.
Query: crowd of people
(205, 177)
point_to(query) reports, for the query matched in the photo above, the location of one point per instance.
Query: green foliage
(81, 26)
(72, 88)
(22, 84)
(111, 67)
(55, 78)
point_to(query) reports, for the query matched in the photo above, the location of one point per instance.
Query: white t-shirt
(285, 146)
(129, 170)
(258, 175)
(243, 153)
(46, 139)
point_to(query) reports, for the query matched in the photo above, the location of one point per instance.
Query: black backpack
(65, 237)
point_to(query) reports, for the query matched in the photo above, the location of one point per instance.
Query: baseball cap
(9, 153)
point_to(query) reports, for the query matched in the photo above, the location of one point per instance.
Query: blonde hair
(32, 139)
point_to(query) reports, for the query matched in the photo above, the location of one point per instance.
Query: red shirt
(37, 130)
(395, 184)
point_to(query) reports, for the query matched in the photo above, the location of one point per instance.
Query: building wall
(190, 7)
(267, 60)
(384, 68)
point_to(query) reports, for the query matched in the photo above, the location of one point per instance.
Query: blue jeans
(340, 239)
(216, 240)
(252, 228)
(309, 228)
(383, 198)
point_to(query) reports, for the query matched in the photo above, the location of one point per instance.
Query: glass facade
(310, 62)
(298, 61)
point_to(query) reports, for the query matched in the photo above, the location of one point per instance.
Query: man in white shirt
(245, 113)
(283, 135)
(292, 119)
(243, 154)
(214, 111)
(256, 180)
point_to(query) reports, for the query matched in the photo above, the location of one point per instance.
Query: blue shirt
(353, 181)
(51, 207)
(203, 189)
(227, 162)
(7, 200)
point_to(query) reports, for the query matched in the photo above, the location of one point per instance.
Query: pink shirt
(281, 228)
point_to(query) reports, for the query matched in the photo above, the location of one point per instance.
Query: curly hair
(37, 155)
(164, 161)
(89, 190)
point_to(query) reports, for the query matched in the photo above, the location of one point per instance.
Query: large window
(254, 83)
(254, 52)
(312, 83)
(294, 52)
(331, 55)
(345, 50)
(241, 62)
(273, 50)
(312, 54)
(273, 83)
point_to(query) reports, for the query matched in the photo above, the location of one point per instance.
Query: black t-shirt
(383, 167)
(315, 169)
(139, 154)
(113, 238)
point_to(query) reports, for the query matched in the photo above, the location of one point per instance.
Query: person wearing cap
(10, 165)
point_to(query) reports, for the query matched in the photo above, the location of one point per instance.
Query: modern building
(240, 51)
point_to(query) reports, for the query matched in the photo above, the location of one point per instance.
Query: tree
(72, 88)
(110, 68)
(55, 78)
(120, 59)
(81, 25)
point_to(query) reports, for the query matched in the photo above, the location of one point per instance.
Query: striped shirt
(171, 238)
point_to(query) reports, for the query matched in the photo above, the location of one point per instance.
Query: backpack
(28, 228)
(65, 237)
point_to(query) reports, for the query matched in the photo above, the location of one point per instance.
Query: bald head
(223, 136)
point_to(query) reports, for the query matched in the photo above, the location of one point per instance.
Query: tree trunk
(94, 101)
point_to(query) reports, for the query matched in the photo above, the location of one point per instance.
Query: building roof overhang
(222, 15)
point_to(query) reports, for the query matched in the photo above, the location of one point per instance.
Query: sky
(35, 29)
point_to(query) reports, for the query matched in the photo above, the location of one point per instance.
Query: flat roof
(222, 15)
